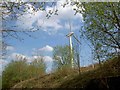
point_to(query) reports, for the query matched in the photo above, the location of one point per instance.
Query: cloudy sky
(52, 32)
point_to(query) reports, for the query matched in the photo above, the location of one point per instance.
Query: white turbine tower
(71, 48)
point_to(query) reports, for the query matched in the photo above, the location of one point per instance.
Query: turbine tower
(71, 48)
(70, 44)
(69, 35)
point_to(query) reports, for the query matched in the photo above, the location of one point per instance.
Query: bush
(18, 71)
(65, 70)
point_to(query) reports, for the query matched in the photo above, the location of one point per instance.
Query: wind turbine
(69, 35)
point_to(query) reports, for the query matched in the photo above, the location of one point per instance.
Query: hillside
(105, 76)
(100, 77)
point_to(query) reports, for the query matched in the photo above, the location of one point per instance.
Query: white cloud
(10, 48)
(54, 23)
(47, 48)
(17, 56)
(20, 57)
(35, 57)
(45, 58)
(27, 20)
(48, 59)
(2, 62)
(31, 59)
(67, 12)
(73, 26)
(51, 25)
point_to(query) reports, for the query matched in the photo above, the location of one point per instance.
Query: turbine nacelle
(70, 34)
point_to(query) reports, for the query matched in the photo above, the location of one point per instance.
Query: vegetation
(18, 71)
(61, 56)
(49, 80)
(68, 78)
(101, 27)
(109, 69)
(101, 20)
(12, 11)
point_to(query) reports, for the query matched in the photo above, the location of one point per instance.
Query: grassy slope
(110, 68)
(50, 80)
(70, 78)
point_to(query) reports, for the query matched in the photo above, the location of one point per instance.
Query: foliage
(21, 7)
(69, 78)
(37, 67)
(11, 11)
(12, 73)
(101, 26)
(62, 56)
(17, 71)
(65, 71)
(49, 80)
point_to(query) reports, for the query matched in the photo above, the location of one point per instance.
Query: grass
(45, 81)
(68, 78)
(110, 68)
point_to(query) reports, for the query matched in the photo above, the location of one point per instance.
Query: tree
(62, 56)
(101, 26)
(12, 10)
(20, 70)
(13, 73)
(37, 67)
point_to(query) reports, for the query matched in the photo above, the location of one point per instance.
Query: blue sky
(52, 32)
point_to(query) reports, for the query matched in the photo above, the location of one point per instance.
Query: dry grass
(69, 78)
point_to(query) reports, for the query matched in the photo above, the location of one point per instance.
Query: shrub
(18, 71)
